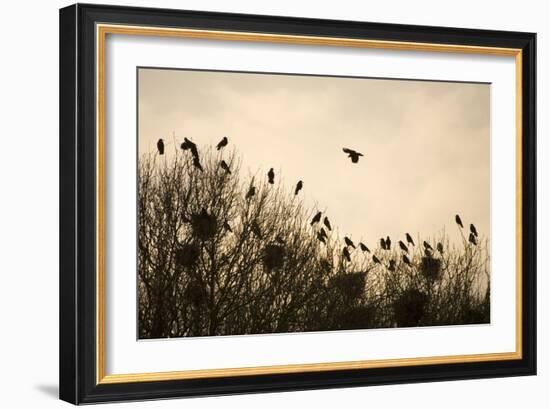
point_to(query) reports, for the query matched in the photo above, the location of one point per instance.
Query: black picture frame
(78, 360)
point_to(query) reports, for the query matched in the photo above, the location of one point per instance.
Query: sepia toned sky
(426, 144)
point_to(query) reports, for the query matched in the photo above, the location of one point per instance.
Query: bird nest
(274, 256)
(409, 308)
(431, 268)
(204, 225)
(187, 255)
(350, 285)
(196, 293)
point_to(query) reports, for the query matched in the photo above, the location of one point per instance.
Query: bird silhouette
(406, 260)
(255, 227)
(427, 246)
(440, 248)
(409, 239)
(388, 243)
(160, 146)
(197, 163)
(271, 176)
(349, 242)
(472, 239)
(375, 259)
(251, 192)
(188, 144)
(346, 254)
(222, 143)
(316, 218)
(299, 187)
(225, 167)
(354, 155)
(227, 227)
(391, 267)
(383, 244)
(321, 238)
(326, 222)
(473, 230)
(458, 221)
(403, 247)
(363, 247)
(323, 232)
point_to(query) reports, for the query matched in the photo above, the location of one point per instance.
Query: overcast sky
(426, 144)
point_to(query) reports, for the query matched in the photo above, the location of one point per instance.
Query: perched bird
(160, 146)
(427, 246)
(197, 163)
(271, 176)
(458, 221)
(321, 238)
(375, 259)
(391, 267)
(299, 187)
(472, 239)
(428, 253)
(251, 192)
(363, 247)
(354, 155)
(188, 144)
(316, 218)
(440, 248)
(406, 260)
(225, 167)
(383, 244)
(323, 232)
(349, 242)
(255, 227)
(227, 227)
(409, 239)
(222, 143)
(345, 253)
(403, 247)
(388, 243)
(473, 230)
(326, 222)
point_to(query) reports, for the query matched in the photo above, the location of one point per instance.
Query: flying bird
(354, 155)
(222, 143)
(388, 243)
(345, 253)
(256, 229)
(472, 239)
(363, 247)
(409, 239)
(316, 218)
(458, 221)
(383, 244)
(349, 242)
(271, 176)
(427, 246)
(406, 260)
(473, 230)
(251, 192)
(403, 247)
(227, 227)
(160, 146)
(375, 259)
(440, 248)
(225, 167)
(197, 163)
(299, 187)
(326, 222)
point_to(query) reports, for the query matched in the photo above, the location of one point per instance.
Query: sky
(426, 144)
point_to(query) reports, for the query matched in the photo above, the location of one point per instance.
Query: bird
(299, 187)
(427, 246)
(323, 232)
(345, 252)
(391, 267)
(354, 155)
(458, 221)
(227, 227)
(388, 243)
(316, 218)
(225, 167)
(222, 143)
(251, 192)
(383, 243)
(409, 239)
(271, 176)
(440, 248)
(321, 238)
(197, 163)
(375, 259)
(188, 144)
(472, 239)
(403, 247)
(160, 146)
(473, 230)
(363, 247)
(428, 253)
(326, 222)
(406, 260)
(256, 229)
(349, 242)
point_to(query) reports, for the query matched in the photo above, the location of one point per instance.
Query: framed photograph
(257, 203)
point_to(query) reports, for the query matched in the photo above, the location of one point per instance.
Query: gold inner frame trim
(101, 33)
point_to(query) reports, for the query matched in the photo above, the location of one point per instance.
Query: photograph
(286, 203)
